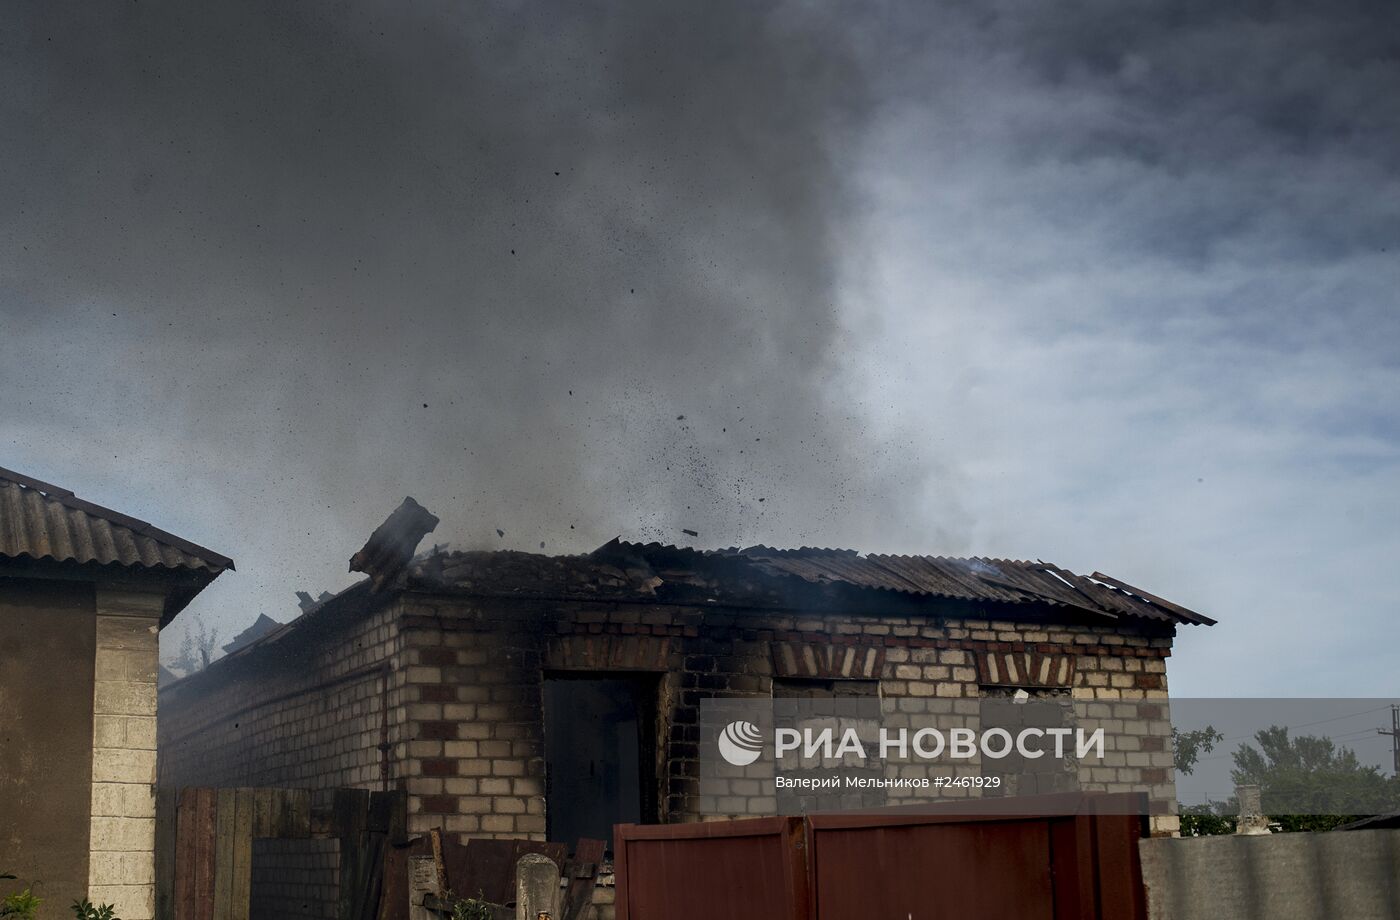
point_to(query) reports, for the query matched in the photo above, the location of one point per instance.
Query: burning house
(548, 697)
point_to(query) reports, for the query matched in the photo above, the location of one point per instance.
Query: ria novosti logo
(740, 743)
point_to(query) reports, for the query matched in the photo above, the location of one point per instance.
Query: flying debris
(391, 546)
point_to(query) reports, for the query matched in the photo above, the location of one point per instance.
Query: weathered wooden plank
(388, 814)
(262, 821)
(350, 811)
(167, 801)
(285, 813)
(242, 881)
(381, 806)
(435, 838)
(301, 813)
(224, 821)
(350, 818)
(274, 812)
(578, 895)
(205, 803)
(393, 901)
(486, 868)
(371, 886)
(186, 817)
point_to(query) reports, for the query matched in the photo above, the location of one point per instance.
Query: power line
(1351, 715)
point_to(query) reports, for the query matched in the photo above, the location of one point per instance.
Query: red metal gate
(903, 865)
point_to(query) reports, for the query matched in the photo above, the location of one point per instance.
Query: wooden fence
(204, 845)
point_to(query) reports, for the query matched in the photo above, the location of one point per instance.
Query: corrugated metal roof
(974, 579)
(40, 521)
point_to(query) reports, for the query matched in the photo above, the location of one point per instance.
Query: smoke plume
(557, 270)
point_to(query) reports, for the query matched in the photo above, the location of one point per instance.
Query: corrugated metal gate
(897, 865)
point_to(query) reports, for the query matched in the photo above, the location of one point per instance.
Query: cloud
(1143, 260)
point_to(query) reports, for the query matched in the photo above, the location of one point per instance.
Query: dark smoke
(560, 269)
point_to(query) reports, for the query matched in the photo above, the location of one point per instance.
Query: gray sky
(1108, 284)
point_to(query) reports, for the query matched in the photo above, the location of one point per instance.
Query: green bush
(22, 905)
(1205, 821)
(84, 910)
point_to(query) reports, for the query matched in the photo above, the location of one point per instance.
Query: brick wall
(467, 727)
(473, 718)
(121, 867)
(312, 717)
(474, 670)
(930, 674)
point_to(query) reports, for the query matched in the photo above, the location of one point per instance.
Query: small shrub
(1205, 821)
(476, 908)
(84, 910)
(22, 905)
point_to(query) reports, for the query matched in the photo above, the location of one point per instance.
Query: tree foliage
(1187, 747)
(1309, 783)
(1306, 783)
(196, 648)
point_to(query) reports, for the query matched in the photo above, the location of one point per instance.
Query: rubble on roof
(391, 546)
(305, 602)
(508, 572)
(772, 577)
(263, 625)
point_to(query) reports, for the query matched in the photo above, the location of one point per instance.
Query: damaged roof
(969, 579)
(767, 576)
(41, 522)
(976, 578)
(654, 573)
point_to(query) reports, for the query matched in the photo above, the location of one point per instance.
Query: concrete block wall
(121, 867)
(295, 879)
(1340, 874)
(312, 720)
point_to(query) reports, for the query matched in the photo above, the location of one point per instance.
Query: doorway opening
(600, 754)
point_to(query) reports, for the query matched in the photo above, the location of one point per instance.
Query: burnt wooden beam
(391, 546)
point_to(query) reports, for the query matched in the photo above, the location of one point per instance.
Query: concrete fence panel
(1352, 874)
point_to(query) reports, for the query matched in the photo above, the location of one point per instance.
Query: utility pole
(1394, 734)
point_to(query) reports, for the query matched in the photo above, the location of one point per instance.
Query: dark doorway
(599, 744)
